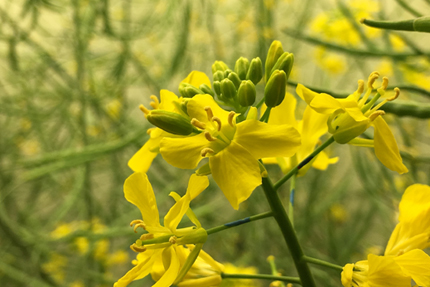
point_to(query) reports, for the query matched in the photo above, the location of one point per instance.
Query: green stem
(291, 203)
(261, 276)
(287, 230)
(322, 263)
(304, 162)
(260, 103)
(265, 117)
(239, 222)
(407, 25)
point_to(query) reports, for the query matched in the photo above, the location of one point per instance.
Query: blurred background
(74, 72)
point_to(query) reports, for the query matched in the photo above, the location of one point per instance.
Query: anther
(149, 131)
(372, 78)
(139, 225)
(155, 102)
(384, 83)
(143, 109)
(172, 240)
(209, 137)
(205, 151)
(136, 221)
(218, 121)
(195, 122)
(376, 114)
(396, 95)
(231, 118)
(360, 88)
(137, 249)
(209, 113)
(146, 236)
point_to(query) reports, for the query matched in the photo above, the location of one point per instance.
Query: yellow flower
(350, 117)
(230, 268)
(142, 160)
(311, 128)
(233, 149)
(161, 242)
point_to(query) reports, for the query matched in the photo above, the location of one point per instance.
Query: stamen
(195, 122)
(137, 248)
(136, 221)
(209, 113)
(172, 240)
(396, 95)
(205, 151)
(230, 118)
(139, 225)
(384, 83)
(209, 137)
(376, 114)
(218, 121)
(146, 236)
(143, 109)
(372, 78)
(149, 131)
(155, 102)
(360, 88)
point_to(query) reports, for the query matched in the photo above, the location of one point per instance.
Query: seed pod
(171, 122)
(255, 71)
(275, 51)
(274, 92)
(246, 93)
(241, 67)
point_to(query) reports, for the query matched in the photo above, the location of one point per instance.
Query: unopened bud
(170, 122)
(218, 76)
(275, 51)
(219, 66)
(235, 79)
(188, 91)
(227, 73)
(246, 93)
(206, 89)
(228, 89)
(255, 71)
(284, 63)
(217, 87)
(241, 67)
(274, 92)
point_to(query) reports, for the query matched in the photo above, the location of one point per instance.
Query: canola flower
(403, 259)
(350, 117)
(233, 148)
(161, 243)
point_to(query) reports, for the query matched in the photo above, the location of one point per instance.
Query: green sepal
(274, 92)
(198, 235)
(348, 129)
(188, 263)
(255, 71)
(171, 122)
(246, 93)
(275, 51)
(241, 67)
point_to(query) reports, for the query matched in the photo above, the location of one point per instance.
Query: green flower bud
(246, 93)
(255, 72)
(228, 89)
(274, 92)
(206, 89)
(227, 73)
(285, 63)
(219, 66)
(241, 67)
(219, 76)
(171, 122)
(217, 87)
(188, 91)
(275, 51)
(235, 79)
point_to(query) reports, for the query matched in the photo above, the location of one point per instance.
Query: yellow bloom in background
(142, 160)
(350, 117)
(230, 268)
(311, 128)
(161, 243)
(233, 149)
(56, 267)
(330, 62)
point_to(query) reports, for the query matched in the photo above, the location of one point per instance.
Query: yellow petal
(383, 271)
(236, 172)
(386, 149)
(264, 140)
(141, 270)
(196, 78)
(196, 185)
(142, 160)
(138, 190)
(356, 113)
(416, 263)
(415, 200)
(325, 104)
(166, 100)
(284, 113)
(169, 257)
(196, 109)
(306, 94)
(175, 214)
(322, 161)
(183, 152)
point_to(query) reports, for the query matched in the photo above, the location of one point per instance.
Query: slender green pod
(421, 24)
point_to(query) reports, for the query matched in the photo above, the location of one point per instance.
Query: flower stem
(303, 163)
(261, 276)
(287, 230)
(239, 222)
(322, 263)
(291, 203)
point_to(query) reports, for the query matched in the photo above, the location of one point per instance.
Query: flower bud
(206, 89)
(275, 51)
(170, 122)
(246, 93)
(255, 71)
(217, 87)
(235, 79)
(218, 76)
(227, 73)
(228, 89)
(285, 63)
(241, 67)
(188, 91)
(274, 92)
(219, 66)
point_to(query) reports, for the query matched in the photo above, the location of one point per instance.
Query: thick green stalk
(287, 230)
(304, 162)
(239, 222)
(262, 276)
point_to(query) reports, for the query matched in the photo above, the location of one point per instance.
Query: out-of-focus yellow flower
(332, 63)
(117, 258)
(77, 284)
(350, 117)
(230, 268)
(421, 79)
(101, 249)
(338, 213)
(311, 128)
(82, 244)
(62, 230)
(233, 149)
(56, 267)
(161, 243)
(113, 108)
(28, 147)
(397, 43)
